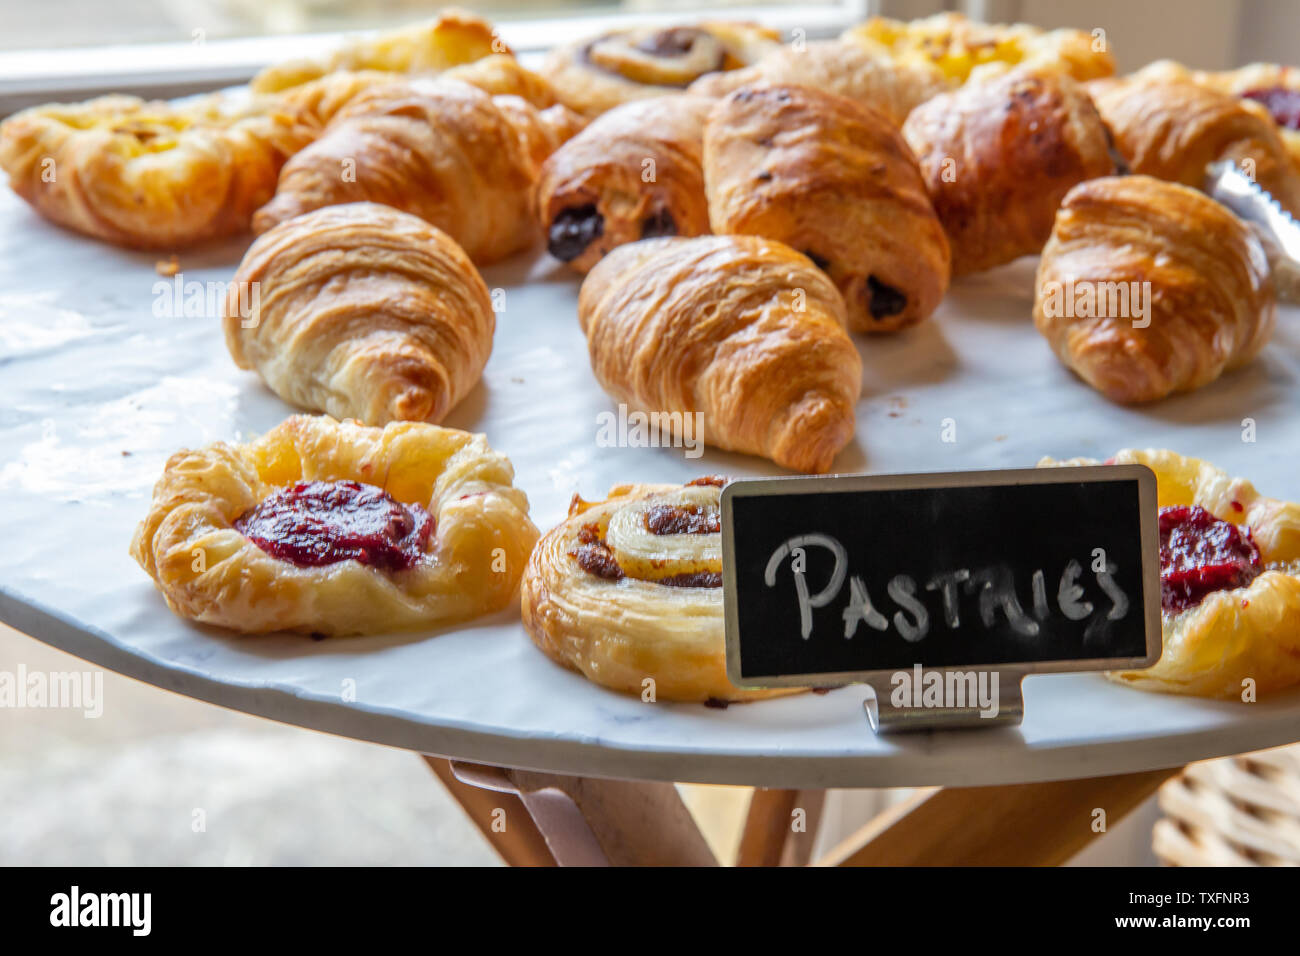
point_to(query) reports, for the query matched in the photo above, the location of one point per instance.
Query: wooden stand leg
(1030, 824)
(769, 837)
(502, 818)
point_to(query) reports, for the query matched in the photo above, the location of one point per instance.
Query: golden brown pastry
(999, 156)
(453, 38)
(1173, 130)
(1230, 581)
(1148, 288)
(595, 75)
(147, 175)
(742, 330)
(628, 592)
(847, 69)
(336, 528)
(834, 180)
(362, 312)
(634, 173)
(964, 49)
(444, 151)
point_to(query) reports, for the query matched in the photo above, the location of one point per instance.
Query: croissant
(1230, 581)
(1148, 288)
(363, 312)
(835, 180)
(999, 156)
(1173, 130)
(597, 74)
(447, 152)
(847, 69)
(334, 528)
(628, 592)
(741, 330)
(453, 38)
(634, 173)
(148, 175)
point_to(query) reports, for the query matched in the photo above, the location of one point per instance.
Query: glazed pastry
(444, 151)
(964, 49)
(147, 175)
(1174, 130)
(1230, 581)
(999, 156)
(834, 180)
(1210, 306)
(629, 590)
(744, 331)
(847, 69)
(634, 173)
(595, 75)
(336, 528)
(455, 37)
(362, 312)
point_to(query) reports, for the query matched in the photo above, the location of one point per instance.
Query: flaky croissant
(363, 312)
(1148, 288)
(847, 69)
(148, 175)
(634, 173)
(999, 156)
(445, 151)
(835, 180)
(1173, 130)
(742, 330)
(453, 38)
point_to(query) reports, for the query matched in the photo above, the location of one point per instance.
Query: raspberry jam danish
(630, 589)
(1230, 581)
(337, 528)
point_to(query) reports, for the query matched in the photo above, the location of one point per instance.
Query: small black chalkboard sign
(837, 580)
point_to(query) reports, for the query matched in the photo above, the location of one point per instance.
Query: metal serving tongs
(1279, 233)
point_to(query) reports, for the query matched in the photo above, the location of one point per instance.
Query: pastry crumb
(168, 267)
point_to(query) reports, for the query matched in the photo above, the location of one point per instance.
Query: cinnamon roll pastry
(446, 151)
(628, 592)
(743, 331)
(148, 175)
(964, 49)
(595, 75)
(634, 173)
(1173, 130)
(336, 528)
(847, 69)
(362, 312)
(1230, 581)
(1148, 288)
(999, 156)
(453, 38)
(835, 180)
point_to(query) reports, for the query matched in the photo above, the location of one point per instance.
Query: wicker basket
(1238, 811)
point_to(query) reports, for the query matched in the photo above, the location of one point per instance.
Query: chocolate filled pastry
(148, 175)
(1230, 582)
(835, 180)
(1173, 130)
(453, 38)
(742, 333)
(847, 69)
(999, 156)
(444, 151)
(634, 173)
(628, 592)
(335, 528)
(362, 312)
(595, 75)
(1147, 288)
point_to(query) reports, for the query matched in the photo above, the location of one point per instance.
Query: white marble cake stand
(97, 391)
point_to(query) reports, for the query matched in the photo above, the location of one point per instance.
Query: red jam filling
(1282, 103)
(1199, 554)
(314, 523)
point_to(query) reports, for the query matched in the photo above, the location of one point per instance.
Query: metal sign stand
(887, 717)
